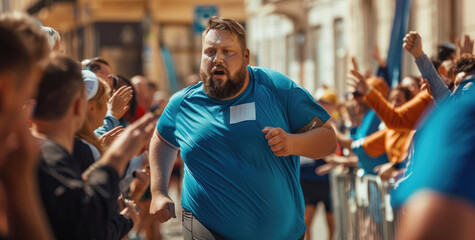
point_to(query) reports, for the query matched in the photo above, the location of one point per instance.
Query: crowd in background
(74, 138)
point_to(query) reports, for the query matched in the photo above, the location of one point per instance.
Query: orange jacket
(402, 117)
(396, 138)
(391, 141)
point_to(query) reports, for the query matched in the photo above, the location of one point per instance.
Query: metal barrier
(361, 205)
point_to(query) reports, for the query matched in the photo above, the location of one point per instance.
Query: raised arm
(413, 44)
(162, 156)
(405, 116)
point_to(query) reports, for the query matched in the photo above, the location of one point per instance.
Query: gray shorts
(194, 229)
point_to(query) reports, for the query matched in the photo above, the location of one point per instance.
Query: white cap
(92, 83)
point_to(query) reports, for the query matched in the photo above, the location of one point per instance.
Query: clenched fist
(280, 142)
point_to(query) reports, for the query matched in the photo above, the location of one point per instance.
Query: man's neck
(55, 130)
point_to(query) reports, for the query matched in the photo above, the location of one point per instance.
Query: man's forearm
(316, 143)
(162, 157)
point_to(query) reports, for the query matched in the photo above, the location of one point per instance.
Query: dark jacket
(79, 209)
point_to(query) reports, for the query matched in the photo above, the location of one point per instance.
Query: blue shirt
(444, 152)
(233, 182)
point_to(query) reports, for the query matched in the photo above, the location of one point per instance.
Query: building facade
(156, 38)
(312, 41)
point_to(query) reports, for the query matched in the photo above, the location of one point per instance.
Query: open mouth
(219, 73)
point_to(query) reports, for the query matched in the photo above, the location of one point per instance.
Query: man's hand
(119, 102)
(413, 44)
(279, 141)
(162, 208)
(358, 82)
(465, 47)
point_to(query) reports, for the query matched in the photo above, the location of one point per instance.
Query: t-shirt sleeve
(303, 112)
(166, 125)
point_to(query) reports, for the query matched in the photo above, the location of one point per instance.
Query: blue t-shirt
(233, 182)
(444, 152)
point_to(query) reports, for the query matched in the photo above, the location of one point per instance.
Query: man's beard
(232, 86)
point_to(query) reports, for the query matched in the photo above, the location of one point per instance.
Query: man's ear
(246, 56)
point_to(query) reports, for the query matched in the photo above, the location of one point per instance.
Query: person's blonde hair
(86, 133)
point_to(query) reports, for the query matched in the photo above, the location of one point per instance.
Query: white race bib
(243, 112)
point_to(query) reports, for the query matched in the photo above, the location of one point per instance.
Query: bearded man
(240, 132)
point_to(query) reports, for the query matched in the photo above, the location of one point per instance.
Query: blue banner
(170, 69)
(394, 59)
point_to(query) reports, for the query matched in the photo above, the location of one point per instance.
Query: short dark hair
(219, 23)
(92, 64)
(34, 38)
(15, 57)
(61, 81)
(466, 64)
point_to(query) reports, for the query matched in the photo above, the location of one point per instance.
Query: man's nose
(219, 57)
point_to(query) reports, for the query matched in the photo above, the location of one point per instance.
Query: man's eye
(210, 52)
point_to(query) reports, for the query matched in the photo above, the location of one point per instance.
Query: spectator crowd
(75, 134)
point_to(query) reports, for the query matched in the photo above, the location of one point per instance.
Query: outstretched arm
(413, 44)
(405, 116)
